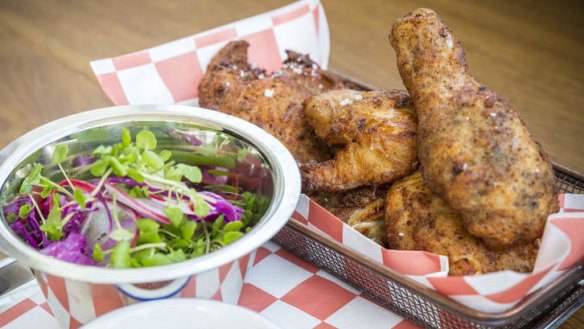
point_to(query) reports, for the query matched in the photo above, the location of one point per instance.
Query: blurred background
(530, 52)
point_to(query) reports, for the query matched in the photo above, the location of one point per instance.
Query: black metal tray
(546, 308)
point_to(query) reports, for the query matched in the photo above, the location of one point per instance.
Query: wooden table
(531, 53)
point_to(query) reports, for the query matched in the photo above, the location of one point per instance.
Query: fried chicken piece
(273, 102)
(362, 209)
(417, 219)
(474, 150)
(377, 130)
(276, 103)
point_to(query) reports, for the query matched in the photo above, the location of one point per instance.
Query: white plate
(181, 313)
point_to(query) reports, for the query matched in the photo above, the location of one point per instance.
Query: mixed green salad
(140, 207)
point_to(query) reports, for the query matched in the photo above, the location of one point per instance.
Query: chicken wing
(474, 150)
(377, 130)
(417, 219)
(272, 101)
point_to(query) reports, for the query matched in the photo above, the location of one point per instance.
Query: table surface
(531, 53)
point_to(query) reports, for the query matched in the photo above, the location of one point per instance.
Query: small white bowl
(181, 313)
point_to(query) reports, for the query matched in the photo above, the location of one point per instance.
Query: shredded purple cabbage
(76, 247)
(74, 222)
(32, 221)
(20, 229)
(222, 207)
(72, 249)
(124, 180)
(31, 232)
(108, 212)
(46, 207)
(14, 207)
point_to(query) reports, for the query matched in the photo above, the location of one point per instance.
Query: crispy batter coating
(362, 208)
(272, 101)
(276, 103)
(377, 130)
(417, 219)
(474, 150)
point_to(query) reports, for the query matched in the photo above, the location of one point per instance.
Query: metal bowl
(263, 162)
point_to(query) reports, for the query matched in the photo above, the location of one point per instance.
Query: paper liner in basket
(170, 73)
(562, 246)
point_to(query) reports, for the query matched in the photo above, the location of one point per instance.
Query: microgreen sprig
(139, 161)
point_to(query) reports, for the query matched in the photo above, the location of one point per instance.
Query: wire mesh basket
(429, 308)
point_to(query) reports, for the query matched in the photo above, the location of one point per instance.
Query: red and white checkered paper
(290, 292)
(74, 303)
(170, 73)
(562, 246)
(164, 74)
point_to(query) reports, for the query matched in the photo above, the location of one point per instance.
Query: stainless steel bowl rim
(286, 191)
